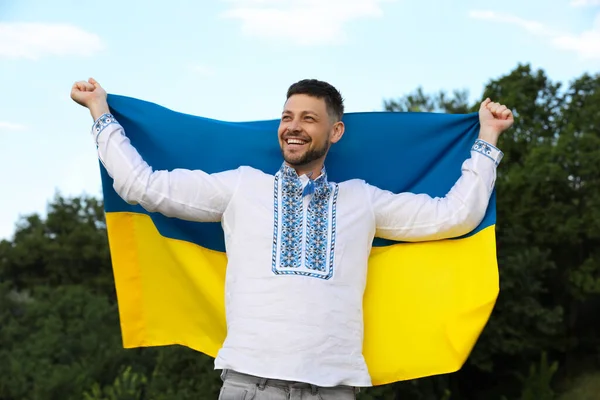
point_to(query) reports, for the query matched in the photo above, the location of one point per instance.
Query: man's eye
(310, 118)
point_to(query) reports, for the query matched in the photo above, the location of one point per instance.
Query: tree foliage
(59, 326)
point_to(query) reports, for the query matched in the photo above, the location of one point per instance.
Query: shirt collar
(320, 184)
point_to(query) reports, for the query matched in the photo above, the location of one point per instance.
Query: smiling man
(297, 244)
(308, 127)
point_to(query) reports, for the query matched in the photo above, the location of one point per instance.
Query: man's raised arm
(419, 217)
(185, 194)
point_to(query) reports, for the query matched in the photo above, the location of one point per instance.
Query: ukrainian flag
(425, 304)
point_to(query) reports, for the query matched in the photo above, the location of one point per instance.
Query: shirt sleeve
(191, 195)
(419, 217)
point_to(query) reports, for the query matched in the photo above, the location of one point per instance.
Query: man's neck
(312, 170)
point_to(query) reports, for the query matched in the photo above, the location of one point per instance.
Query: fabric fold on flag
(425, 304)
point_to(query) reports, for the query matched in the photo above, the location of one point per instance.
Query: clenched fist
(494, 119)
(90, 95)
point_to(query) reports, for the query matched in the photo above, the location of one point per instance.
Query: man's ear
(337, 132)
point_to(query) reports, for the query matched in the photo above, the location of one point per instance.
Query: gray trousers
(237, 386)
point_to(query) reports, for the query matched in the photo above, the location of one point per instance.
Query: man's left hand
(494, 119)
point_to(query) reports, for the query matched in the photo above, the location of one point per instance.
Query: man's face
(306, 130)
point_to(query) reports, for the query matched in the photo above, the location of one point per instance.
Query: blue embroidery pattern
(291, 222)
(102, 122)
(276, 221)
(488, 150)
(317, 227)
(319, 236)
(333, 230)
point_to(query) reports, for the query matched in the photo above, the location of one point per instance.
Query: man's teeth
(295, 141)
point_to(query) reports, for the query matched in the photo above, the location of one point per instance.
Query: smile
(295, 142)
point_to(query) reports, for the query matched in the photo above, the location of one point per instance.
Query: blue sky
(234, 59)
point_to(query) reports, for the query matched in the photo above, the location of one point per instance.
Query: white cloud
(585, 44)
(585, 3)
(529, 25)
(199, 69)
(302, 22)
(11, 126)
(36, 40)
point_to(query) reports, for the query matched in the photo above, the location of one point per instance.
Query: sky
(234, 60)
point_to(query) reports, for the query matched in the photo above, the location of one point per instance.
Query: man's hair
(321, 90)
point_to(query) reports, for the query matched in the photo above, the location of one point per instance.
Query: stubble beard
(307, 157)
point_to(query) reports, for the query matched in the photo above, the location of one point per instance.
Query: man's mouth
(294, 142)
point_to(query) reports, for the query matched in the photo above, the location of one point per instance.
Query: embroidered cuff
(102, 122)
(492, 152)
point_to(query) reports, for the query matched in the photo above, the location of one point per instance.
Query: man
(297, 244)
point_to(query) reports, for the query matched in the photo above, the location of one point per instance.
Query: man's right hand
(90, 95)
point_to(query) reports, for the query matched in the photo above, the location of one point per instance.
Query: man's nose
(294, 126)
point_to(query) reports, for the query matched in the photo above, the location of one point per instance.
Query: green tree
(127, 386)
(68, 247)
(419, 101)
(56, 342)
